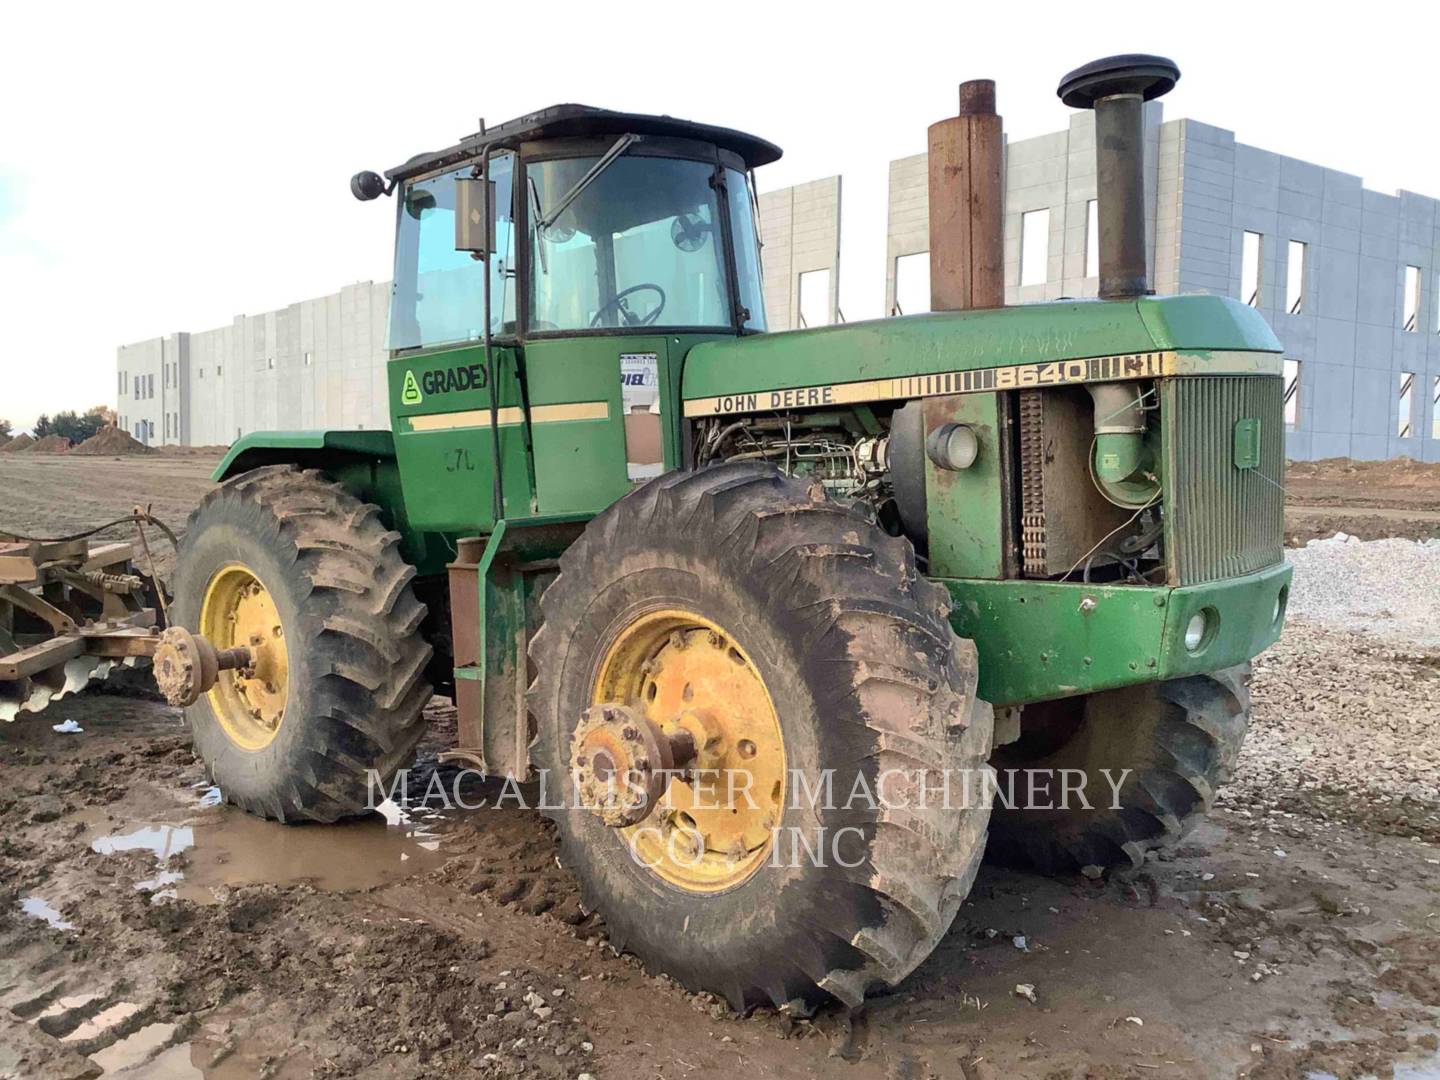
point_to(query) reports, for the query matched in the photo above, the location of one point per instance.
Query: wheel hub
(239, 612)
(682, 750)
(623, 761)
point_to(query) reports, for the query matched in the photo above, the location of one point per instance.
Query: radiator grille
(1223, 521)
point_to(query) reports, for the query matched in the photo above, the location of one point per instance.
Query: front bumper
(1046, 639)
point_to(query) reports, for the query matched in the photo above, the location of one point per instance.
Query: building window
(1034, 247)
(1295, 277)
(912, 284)
(269, 363)
(1092, 238)
(219, 371)
(1250, 251)
(309, 358)
(150, 391)
(1405, 405)
(1435, 408)
(1410, 310)
(815, 298)
(1292, 394)
(200, 372)
(150, 424)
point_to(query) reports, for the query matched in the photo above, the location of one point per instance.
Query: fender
(313, 449)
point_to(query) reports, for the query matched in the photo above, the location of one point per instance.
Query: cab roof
(567, 121)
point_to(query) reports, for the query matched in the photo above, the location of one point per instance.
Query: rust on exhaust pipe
(967, 204)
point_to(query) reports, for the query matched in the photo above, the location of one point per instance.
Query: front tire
(293, 563)
(1167, 747)
(866, 679)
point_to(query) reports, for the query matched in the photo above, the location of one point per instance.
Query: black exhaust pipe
(1116, 88)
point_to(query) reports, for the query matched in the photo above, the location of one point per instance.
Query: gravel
(1389, 588)
(1346, 725)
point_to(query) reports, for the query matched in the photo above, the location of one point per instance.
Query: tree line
(75, 426)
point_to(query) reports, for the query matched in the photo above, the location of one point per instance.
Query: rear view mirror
(474, 215)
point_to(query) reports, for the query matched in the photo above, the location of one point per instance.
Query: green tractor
(647, 548)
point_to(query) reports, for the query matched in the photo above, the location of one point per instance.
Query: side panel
(579, 433)
(441, 407)
(969, 528)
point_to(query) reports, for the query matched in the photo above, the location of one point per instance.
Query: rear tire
(1179, 741)
(865, 675)
(356, 687)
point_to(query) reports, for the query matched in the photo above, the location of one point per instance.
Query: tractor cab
(568, 260)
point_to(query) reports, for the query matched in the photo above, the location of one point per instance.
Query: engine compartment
(1067, 511)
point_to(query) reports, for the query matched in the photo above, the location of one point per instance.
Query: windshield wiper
(621, 145)
(538, 218)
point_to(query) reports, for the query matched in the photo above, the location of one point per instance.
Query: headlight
(953, 446)
(1195, 631)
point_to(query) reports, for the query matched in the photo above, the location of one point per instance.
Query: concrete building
(800, 249)
(1347, 277)
(316, 364)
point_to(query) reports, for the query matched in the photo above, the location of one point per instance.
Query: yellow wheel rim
(714, 828)
(239, 610)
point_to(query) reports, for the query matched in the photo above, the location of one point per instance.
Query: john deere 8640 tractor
(634, 535)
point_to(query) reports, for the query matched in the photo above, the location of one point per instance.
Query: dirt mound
(111, 440)
(50, 444)
(18, 443)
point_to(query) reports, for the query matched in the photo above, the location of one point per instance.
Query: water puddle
(103, 1021)
(211, 1056)
(162, 841)
(173, 1064)
(65, 1004)
(225, 847)
(134, 1049)
(39, 908)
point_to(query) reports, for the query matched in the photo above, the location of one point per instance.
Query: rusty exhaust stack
(1117, 88)
(967, 203)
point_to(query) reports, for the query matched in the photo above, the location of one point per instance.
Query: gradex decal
(410, 393)
(450, 380)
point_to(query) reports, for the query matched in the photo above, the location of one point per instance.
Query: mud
(205, 944)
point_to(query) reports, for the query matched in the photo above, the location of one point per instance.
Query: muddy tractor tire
(1179, 741)
(798, 642)
(290, 563)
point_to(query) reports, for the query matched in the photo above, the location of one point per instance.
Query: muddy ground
(149, 932)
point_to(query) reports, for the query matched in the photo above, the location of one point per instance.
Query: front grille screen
(1223, 520)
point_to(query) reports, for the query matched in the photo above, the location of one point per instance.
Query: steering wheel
(618, 303)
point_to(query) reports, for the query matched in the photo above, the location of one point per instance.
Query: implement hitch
(71, 612)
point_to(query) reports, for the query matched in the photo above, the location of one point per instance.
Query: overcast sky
(166, 168)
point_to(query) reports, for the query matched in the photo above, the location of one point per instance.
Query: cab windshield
(641, 245)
